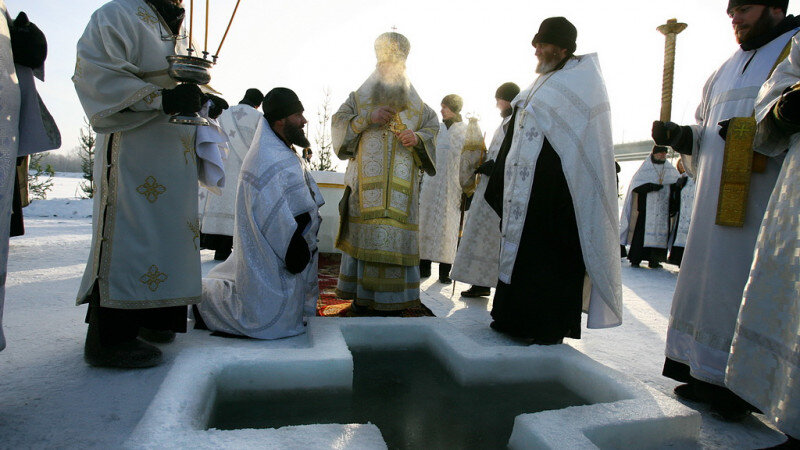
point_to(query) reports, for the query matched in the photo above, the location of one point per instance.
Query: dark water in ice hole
(409, 395)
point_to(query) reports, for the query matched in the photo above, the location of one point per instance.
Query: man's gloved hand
(648, 187)
(486, 167)
(676, 136)
(681, 182)
(723, 128)
(183, 98)
(297, 254)
(788, 107)
(218, 104)
(28, 43)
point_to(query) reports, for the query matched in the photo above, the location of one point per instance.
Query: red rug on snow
(329, 305)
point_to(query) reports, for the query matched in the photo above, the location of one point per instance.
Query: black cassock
(544, 299)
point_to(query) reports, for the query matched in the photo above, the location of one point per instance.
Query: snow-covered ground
(50, 398)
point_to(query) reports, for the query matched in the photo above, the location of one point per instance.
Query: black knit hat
(507, 91)
(557, 31)
(252, 97)
(660, 149)
(280, 103)
(454, 102)
(783, 4)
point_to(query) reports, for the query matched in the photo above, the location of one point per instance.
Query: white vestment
(9, 128)
(26, 128)
(717, 259)
(252, 293)
(477, 257)
(681, 227)
(656, 221)
(570, 107)
(239, 123)
(440, 198)
(145, 244)
(764, 363)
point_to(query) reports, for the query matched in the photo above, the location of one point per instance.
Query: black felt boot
(476, 291)
(107, 347)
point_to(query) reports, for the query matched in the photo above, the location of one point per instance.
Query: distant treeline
(63, 162)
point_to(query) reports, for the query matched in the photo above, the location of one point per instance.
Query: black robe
(545, 297)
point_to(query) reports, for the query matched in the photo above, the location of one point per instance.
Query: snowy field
(50, 398)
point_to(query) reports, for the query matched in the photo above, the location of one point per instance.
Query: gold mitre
(473, 139)
(392, 46)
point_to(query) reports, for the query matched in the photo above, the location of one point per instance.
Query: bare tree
(86, 152)
(323, 134)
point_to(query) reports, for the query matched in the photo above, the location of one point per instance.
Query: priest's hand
(297, 255)
(408, 138)
(218, 104)
(647, 187)
(485, 168)
(183, 98)
(723, 128)
(788, 107)
(382, 115)
(676, 136)
(28, 43)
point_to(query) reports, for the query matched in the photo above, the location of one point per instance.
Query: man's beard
(547, 63)
(506, 112)
(296, 136)
(391, 89)
(763, 25)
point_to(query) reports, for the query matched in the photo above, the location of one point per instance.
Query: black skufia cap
(280, 103)
(557, 31)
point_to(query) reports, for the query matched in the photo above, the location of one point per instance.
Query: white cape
(252, 293)
(656, 224)
(440, 198)
(570, 106)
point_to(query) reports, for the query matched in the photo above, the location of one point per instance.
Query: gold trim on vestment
(386, 183)
(372, 304)
(739, 162)
(737, 165)
(378, 255)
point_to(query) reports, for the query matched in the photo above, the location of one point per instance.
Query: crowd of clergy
(534, 215)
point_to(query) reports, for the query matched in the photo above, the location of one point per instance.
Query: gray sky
(465, 47)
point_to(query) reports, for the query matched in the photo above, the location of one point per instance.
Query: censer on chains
(193, 69)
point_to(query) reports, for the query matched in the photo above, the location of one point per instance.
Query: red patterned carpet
(329, 305)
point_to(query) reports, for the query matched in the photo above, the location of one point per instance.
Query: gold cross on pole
(670, 30)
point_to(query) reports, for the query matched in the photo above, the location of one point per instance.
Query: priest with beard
(387, 134)
(724, 226)
(268, 285)
(645, 219)
(553, 187)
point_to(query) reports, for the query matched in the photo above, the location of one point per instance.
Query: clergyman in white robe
(764, 363)
(253, 293)
(683, 194)
(477, 256)
(562, 121)
(26, 127)
(645, 220)
(239, 123)
(144, 263)
(717, 260)
(440, 200)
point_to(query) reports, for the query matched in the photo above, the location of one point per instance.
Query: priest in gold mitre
(387, 134)
(734, 184)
